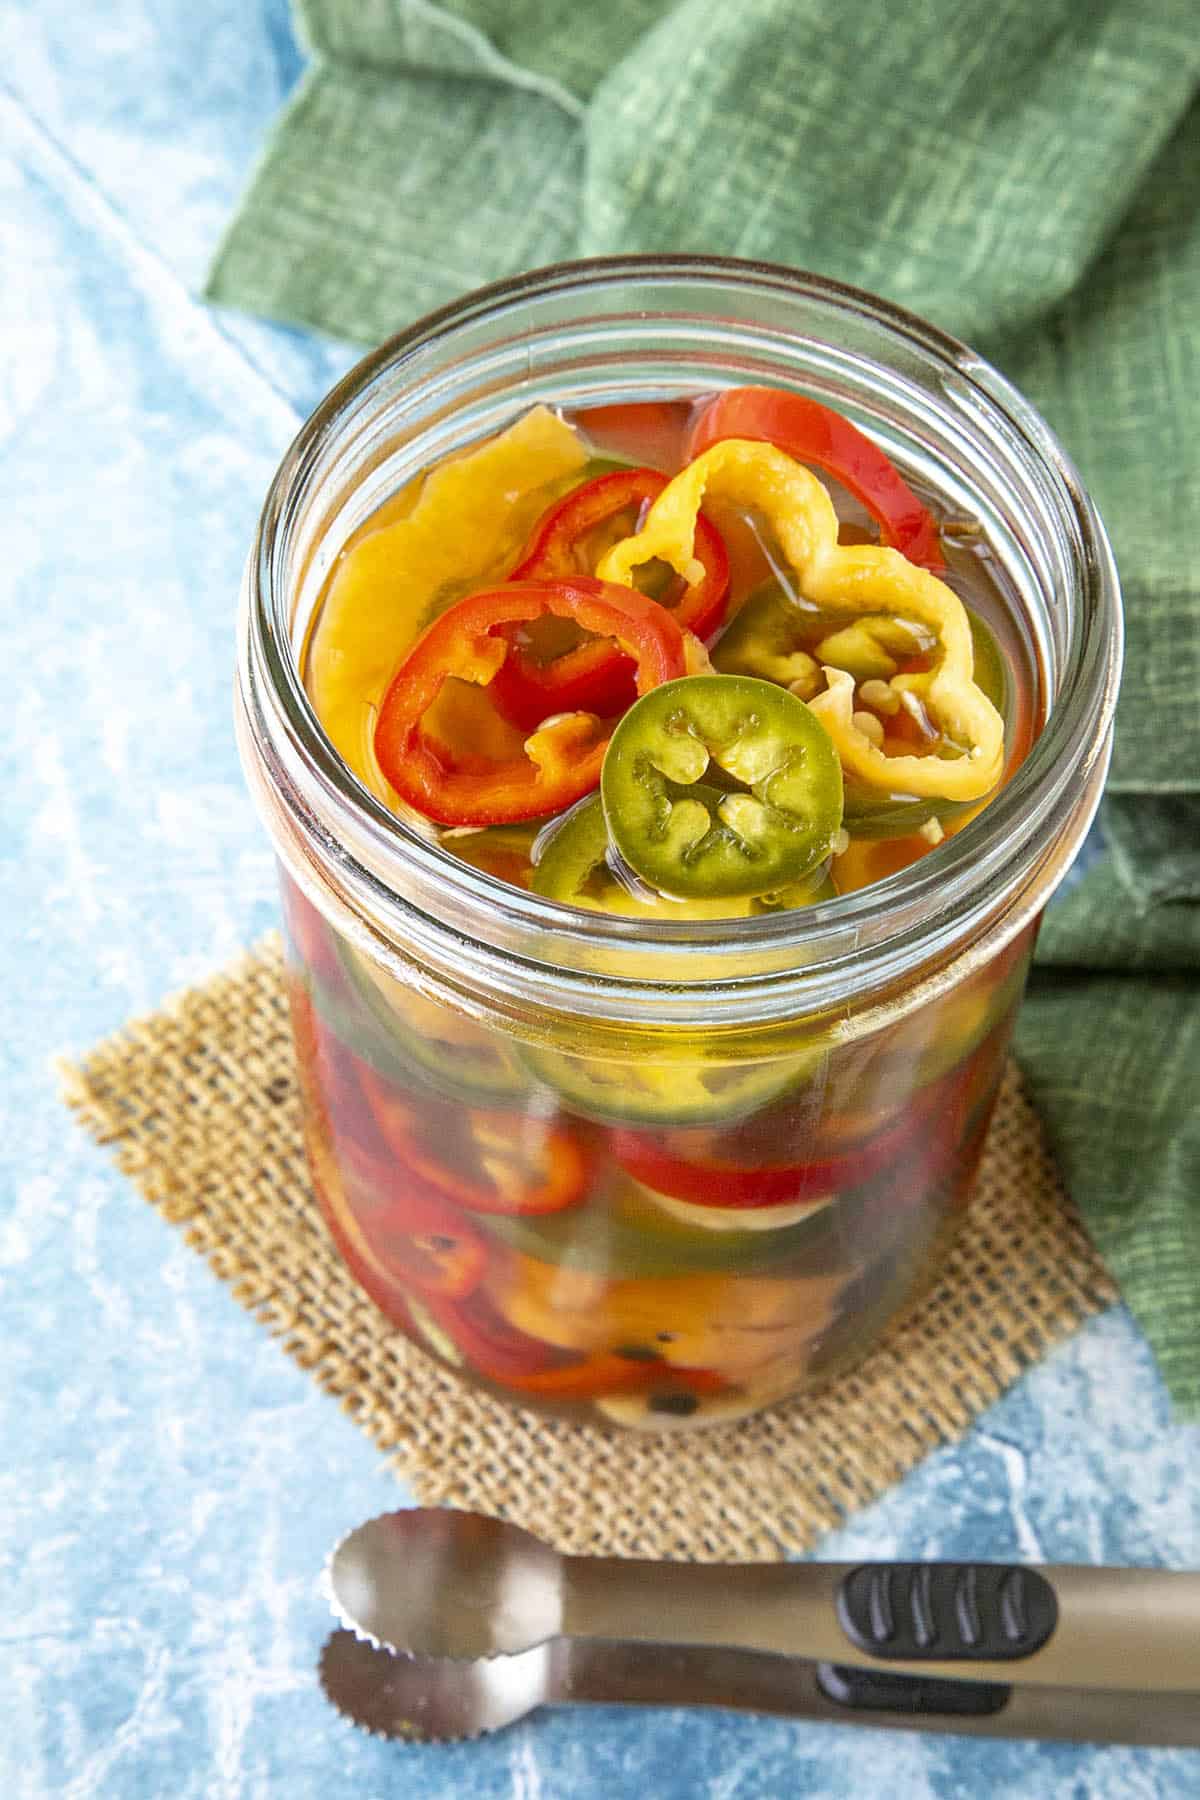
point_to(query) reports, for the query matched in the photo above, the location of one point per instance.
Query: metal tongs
(456, 1624)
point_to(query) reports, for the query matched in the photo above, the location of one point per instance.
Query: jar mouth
(628, 324)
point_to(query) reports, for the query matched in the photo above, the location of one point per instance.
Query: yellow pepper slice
(467, 524)
(851, 578)
(697, 1321)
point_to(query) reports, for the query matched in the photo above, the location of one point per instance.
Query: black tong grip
(946, 1612)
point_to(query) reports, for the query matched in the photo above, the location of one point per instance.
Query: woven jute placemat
(201, 1104)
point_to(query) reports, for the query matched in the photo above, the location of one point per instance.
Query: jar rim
(381, 868)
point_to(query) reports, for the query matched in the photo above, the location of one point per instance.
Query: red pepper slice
(605, 1374)
(495, 1348)
(594, 676)
(393, 1232)
(544, 1176)
(518, 1166)
(711, 1182)
(812, 433)
(562, 762)
(706, 1178)
(499, 1352)
(645, 431)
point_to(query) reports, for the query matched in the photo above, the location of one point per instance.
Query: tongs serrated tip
(427, 1700)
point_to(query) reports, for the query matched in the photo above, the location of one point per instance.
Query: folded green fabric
(1028, 177)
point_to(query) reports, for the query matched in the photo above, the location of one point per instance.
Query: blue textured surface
(170, 1483)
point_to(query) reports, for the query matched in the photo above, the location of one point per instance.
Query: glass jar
(519, 1114)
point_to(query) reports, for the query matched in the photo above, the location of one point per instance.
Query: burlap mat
(200, 1100)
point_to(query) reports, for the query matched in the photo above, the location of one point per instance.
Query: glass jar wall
(665, 1172)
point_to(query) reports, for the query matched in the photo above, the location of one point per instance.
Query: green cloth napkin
(1025, 175)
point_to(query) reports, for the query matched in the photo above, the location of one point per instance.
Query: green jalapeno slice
(775, 831)
(573, 866)
(770, 636)
(472, 1065)
(627, 1090)
(626, 1237)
